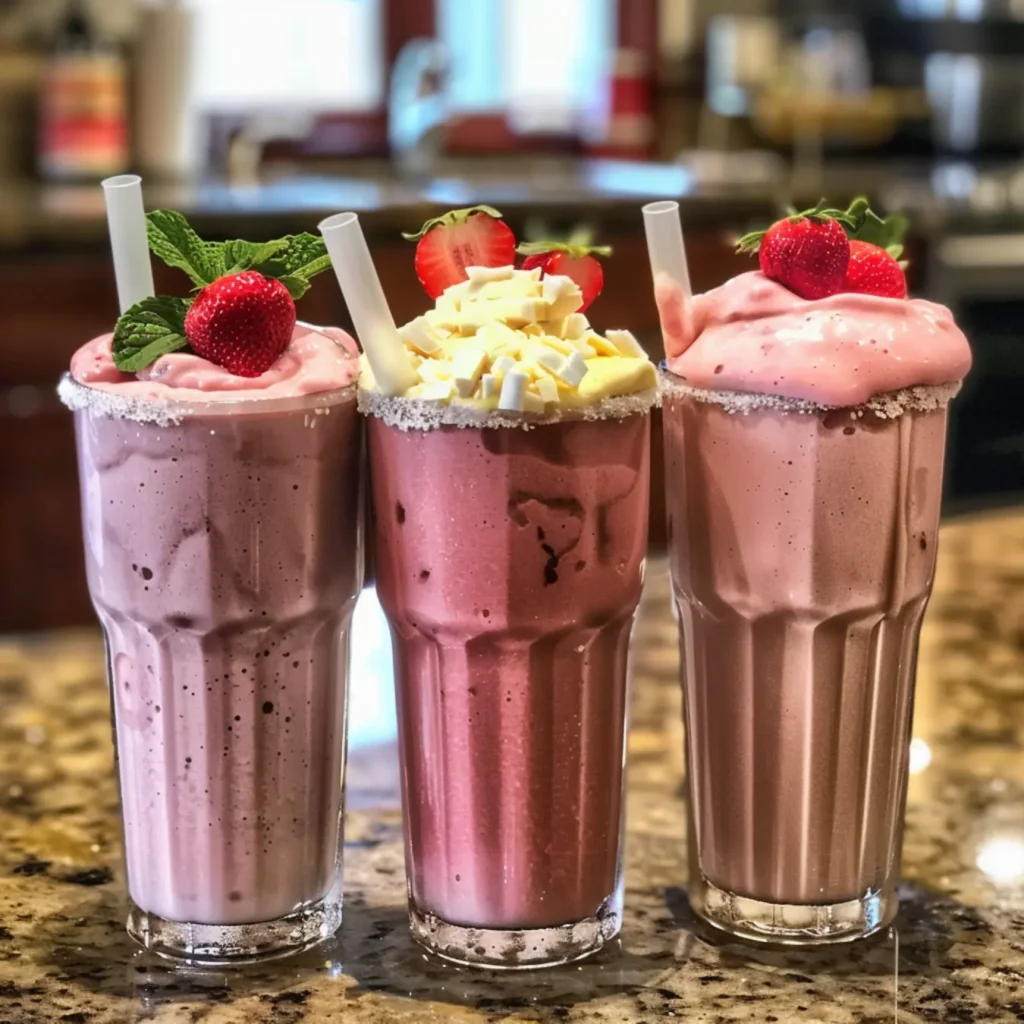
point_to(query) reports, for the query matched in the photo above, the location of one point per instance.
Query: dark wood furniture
(52, 302)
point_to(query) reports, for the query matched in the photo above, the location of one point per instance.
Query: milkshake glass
(804, 447)
(509, 553)
(222, 528)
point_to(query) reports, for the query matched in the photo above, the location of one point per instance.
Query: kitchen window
(536, 67)
(312, 55)
(541, 62)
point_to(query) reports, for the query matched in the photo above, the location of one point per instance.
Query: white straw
(364, 295)
(665, 242)
(126, 219)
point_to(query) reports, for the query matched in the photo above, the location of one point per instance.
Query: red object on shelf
(625, 125)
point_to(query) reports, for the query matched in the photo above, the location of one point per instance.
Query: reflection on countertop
(956, 954)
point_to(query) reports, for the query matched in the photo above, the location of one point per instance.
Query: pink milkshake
(221, 516)
(510, 488)
(511, 593)
(804, 449)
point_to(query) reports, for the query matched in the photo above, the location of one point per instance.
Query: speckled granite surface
(957, 953)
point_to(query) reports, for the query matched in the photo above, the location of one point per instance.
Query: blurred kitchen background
(257, 117)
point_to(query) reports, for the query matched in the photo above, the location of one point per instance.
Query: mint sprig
(299, 258)
(149, 329)
(156, 326)
(859, 222)
(294, 259)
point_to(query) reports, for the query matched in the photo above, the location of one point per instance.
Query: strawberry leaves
(450, 220)
(149, 329)
(885, 232)
(573, 250)
(858, 220)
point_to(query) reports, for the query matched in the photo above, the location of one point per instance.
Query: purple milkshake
(222, 524)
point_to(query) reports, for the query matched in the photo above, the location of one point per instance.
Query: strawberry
(823, 251)
(575, 261)
(445, 246)
(807, 254)
(242, 322)
(872, 271)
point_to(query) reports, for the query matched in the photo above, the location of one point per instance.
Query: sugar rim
(163, 413)
(889, 405)
(422, 414)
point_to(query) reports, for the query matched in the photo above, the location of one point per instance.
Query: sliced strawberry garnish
(242, 322)
(476, 237)
(578, 262)
(873, 271)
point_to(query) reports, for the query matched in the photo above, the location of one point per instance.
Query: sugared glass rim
(421, 414)
(888, 405)
(81, 397)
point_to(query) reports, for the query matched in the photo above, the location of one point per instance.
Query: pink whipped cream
(317, 359)
(755, 335)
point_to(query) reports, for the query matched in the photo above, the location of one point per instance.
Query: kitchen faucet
(417, 106)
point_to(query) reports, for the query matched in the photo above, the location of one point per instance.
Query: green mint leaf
(240, 255)
(150, 329)
(302, 255)
(173, 240)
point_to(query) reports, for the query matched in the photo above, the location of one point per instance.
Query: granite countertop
(956, 953)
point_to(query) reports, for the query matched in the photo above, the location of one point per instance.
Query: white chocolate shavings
(511, 341)
(886, 406)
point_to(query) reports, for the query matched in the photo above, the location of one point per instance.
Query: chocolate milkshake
(221, 517)
(510, 488)
(804, 449)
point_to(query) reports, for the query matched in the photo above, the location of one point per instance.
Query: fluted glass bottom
(792, 924)
(802, 547)
(511, 949)
(213, 945)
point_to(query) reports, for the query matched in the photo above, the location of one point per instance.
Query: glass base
(519, 949)
(792, 924)
(219, 945)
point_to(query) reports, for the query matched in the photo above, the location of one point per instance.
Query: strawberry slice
(578, 262)
(242, 322)
(873, 271)
(475, 237)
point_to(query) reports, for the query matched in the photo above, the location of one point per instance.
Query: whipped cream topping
(317, 359)
(754, 335)
(510, 341)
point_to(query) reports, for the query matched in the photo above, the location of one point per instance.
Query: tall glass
(509, 563)
(223, 550)
(802, 549)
